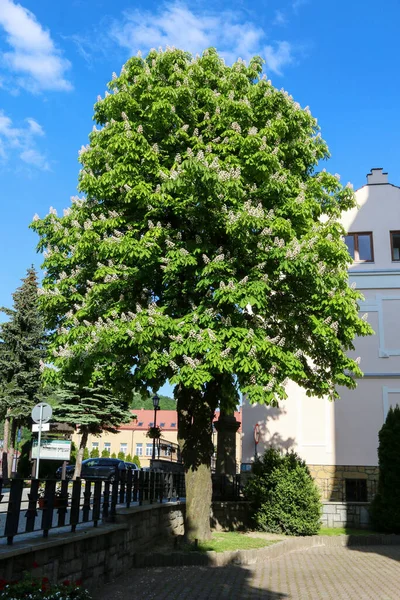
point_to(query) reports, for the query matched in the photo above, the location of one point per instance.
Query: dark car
(98, 468)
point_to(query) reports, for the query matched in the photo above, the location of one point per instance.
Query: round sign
(256, 433)
(43, 410)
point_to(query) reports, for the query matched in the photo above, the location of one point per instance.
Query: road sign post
(41, 413)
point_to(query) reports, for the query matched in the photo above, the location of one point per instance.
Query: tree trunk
(6, 436)
(79, 456)
(195, 416)
(198, 503)
(12, 449)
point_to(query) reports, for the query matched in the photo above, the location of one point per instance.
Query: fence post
(47, 515)
(106, 500)
(141, 485)
(63, 503)
(13, 510)
(114, 495)
(75, 502)
(96, 502)
(129, 478)
(86, 500)
(31, 513)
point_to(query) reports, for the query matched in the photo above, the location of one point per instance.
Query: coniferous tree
(385, 508)
(93, 410)
(22, 350)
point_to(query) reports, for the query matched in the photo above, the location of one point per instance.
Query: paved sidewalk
(332, 573)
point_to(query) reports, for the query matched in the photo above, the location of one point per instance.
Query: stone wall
(94, 555)
(330, 478)
(345, 514)
(230, 516)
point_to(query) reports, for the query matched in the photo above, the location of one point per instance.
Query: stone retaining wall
(345, 514)
(94, 555)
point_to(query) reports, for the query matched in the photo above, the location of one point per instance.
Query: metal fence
(51, 504)
(348, 489)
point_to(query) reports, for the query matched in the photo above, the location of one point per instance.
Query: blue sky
(340, 58)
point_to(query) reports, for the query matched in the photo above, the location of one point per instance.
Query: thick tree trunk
(198, 503)
(195, 416)
(79, 456)
(12, 449)
(6, 436)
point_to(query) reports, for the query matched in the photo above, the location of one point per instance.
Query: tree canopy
(206, 250)
(205, 244)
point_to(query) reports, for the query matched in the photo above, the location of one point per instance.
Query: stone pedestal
(226, 427)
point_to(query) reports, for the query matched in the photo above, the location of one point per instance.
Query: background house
(131, 437)
(339, 440)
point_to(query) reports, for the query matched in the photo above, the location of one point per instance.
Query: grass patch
(230, 540)
(344, 531)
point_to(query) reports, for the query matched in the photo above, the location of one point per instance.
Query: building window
(140, 424)
(139, 449)
(356, 490)
(149, 449)
(123, 448)
(151, 424)
(395, 245)
(95, 444)
(360, 246)
(173, 424)
(162, 424)
(107, 446)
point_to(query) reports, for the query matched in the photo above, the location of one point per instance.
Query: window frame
(139, 449)
(125, 449)
(355, 235)
(391, 232)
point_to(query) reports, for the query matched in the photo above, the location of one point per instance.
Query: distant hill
(166, 403)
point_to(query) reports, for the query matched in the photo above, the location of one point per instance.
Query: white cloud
(21, 142)
(33, 58)
(176, 25)
(278, 57)
(35, 158)
(280, 18)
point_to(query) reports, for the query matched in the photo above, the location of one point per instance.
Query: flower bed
(34, 588)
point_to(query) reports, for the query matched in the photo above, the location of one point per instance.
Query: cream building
(339, 440)
(131, 438)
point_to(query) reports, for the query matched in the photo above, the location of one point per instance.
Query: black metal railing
(49, 504)
(347, 489)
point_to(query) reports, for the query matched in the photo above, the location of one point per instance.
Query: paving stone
(323, 572)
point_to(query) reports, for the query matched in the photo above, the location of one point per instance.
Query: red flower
(3, 583)
(67, 582)
(45, 580)
(35, 565)
(78, 582)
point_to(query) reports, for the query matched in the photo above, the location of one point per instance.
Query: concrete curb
(251, 557)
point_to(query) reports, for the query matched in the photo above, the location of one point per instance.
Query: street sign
(52, 449)
(41, 412)
(36, 427)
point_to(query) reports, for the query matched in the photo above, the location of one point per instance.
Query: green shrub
(136, 460)
(94, 453)
(284, 496)
(85, 453)
(385, 508)
(128, 458)
(105, 454)
(121, 456)
(113, 455)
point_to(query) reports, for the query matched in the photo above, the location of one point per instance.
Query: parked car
(98, 468)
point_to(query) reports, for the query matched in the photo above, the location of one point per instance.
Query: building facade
(339, 440)
(131, 439)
